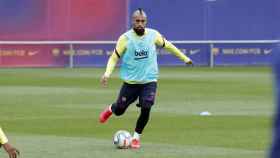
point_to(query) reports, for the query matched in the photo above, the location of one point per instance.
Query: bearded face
(139, 31)
(139, 24)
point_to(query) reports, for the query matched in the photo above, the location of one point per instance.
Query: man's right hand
(104, 81)
(12, 152)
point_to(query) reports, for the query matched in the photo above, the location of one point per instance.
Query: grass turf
(54, 113)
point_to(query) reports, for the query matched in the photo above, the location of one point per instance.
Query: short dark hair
(140, 10)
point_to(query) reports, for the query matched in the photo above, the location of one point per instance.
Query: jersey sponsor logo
(141, 54)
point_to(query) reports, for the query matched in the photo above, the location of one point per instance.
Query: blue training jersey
(275, 147)
(139, 61)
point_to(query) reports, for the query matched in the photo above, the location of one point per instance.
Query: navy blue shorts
(145, 93)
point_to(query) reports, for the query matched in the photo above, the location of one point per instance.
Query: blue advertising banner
(226, 54)
(242, 54)
(199, 53)
(87, 55)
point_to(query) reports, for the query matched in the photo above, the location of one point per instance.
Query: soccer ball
(122, 139)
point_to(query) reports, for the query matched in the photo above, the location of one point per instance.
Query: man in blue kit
(139, 71)
(275, 148)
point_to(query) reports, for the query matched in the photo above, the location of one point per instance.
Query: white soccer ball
(122, 139)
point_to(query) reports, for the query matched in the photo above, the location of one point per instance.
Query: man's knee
(118, 108)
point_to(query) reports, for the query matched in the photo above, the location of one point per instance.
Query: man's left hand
(190, 62)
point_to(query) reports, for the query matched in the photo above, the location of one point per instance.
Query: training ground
(53, 113)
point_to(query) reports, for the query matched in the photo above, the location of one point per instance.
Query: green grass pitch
(53, 113)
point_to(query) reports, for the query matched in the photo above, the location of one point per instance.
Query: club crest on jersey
(141, 54)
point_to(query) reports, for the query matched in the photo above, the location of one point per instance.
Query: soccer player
(12, 152)
(139, 70)
(275, 148)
